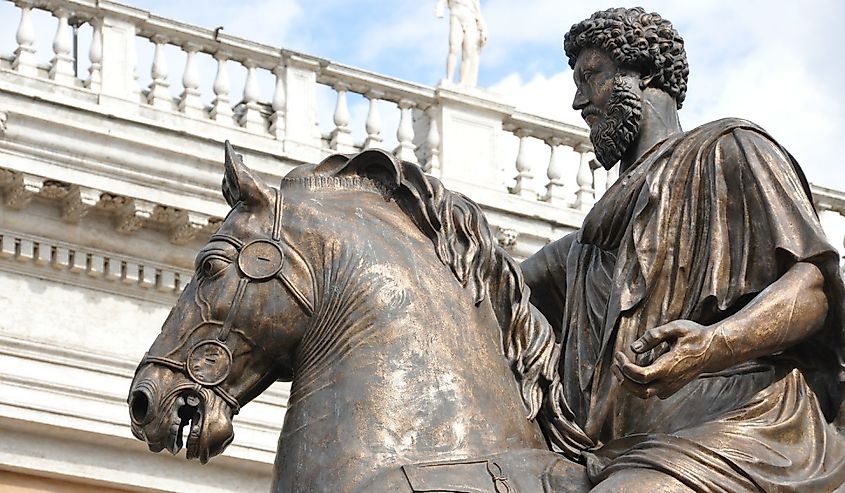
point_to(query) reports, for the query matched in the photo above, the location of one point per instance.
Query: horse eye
(213, 265)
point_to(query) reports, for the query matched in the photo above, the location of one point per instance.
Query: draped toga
(699, 226)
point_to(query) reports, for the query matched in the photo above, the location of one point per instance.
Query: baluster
(612, 176)
(432, 141)
(61, 66)
(555, 192)
(571, 165)
(373, 124)
(584, 197)
(599, 181)
(189, 100)
(523, 166)
(25, 62)
(95, 54)
(405, 134)
(341, 136)
(159, 93)
(250, 113)
(277, 119)
(221, 107)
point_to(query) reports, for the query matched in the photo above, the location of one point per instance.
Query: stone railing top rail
(173, 32)
(829, 199)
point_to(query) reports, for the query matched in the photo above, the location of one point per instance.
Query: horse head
(232, 332)
(334, 271)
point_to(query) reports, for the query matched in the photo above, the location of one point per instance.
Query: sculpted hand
(689, 355)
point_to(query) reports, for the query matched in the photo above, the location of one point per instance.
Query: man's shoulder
(726, 126)
(733, 136)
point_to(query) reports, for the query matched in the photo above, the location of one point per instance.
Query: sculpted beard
(616, 130)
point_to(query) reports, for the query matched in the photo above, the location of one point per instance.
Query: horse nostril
(139, 407)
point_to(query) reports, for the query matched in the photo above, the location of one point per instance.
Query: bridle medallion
(209, 362)
(261, 260)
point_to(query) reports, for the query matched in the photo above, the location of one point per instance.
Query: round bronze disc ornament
(261, 260)
(209, 363)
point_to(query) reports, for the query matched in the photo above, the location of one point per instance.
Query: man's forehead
(592, 56)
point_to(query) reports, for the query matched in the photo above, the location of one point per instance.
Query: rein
(209, 362)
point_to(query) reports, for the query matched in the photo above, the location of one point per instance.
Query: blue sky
(774, 62)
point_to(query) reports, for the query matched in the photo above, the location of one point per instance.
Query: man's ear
(241, 185)
(646, 80)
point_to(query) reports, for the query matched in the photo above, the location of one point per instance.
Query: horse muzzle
(179, 414)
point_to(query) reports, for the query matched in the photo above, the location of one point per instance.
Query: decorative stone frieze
(78, 265)
(129, 214)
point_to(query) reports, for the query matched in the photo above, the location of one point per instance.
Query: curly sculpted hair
(637, 40)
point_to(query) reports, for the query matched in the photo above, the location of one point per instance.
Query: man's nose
(580, 101)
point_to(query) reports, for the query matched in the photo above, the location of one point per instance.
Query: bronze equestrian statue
(387, 302)
(695, 322)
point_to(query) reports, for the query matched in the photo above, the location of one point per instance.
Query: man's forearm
(785, 313)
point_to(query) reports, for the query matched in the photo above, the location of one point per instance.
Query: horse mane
(464, 242)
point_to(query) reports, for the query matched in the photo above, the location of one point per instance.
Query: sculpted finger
(654, 336)
(639, 390)
(617, 372)
(633, 372)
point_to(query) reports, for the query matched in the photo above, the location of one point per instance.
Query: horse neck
(399, 365)
(397, 368)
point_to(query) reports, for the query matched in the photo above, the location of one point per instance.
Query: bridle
(209, 362)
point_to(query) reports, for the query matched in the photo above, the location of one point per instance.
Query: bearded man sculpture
(700, 306)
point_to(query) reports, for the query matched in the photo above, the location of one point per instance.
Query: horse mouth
(190, 418)
(183, 426)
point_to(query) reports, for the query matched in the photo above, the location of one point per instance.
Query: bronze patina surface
(416, 360)
(700, 306)
(694, 339)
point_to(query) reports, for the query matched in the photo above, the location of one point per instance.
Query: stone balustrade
(463, 138)
(432, 124)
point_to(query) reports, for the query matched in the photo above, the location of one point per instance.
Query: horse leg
(641, 480)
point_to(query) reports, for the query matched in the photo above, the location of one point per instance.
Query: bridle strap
(277, 218)
(226, 326)
(182, 368)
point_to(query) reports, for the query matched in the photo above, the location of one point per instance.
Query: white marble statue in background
(468, 34)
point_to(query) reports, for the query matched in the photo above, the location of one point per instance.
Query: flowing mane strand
(464, 242)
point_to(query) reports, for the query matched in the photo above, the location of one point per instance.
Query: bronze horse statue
(416, 361)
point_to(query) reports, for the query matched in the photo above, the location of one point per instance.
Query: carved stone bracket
(130, 214)
(19, 188)
(78, 202)
(183, 226)
(3, 119)
(75, 201)
(507, 238)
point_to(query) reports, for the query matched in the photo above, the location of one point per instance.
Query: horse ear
(240, 184)
(377, 165)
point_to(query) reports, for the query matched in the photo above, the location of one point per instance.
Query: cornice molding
(128, 214)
